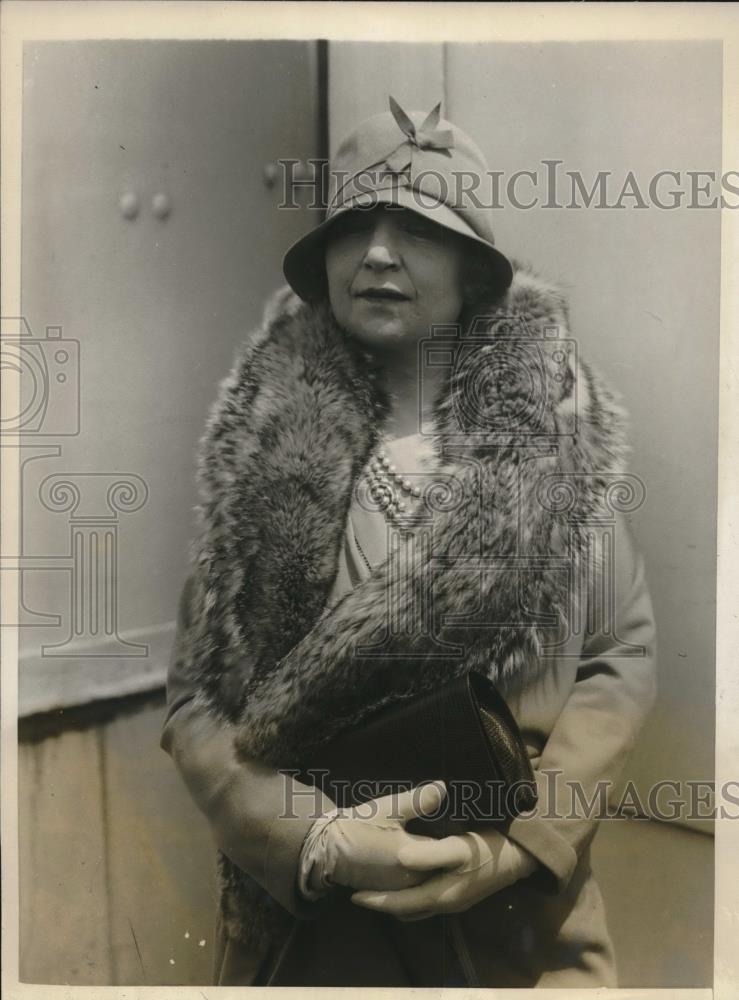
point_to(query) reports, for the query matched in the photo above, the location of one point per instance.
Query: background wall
(156, 304)
(117, 867)
(116, 863)
(115, 859)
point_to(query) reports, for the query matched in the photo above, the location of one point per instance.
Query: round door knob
(304, 172)
(129, 205)
(300, 172)
(161, 205)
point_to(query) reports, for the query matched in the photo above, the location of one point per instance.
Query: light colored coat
(261, 664)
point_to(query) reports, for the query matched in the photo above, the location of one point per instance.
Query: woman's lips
(383, 295)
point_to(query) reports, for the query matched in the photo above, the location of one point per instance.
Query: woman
(351, 468)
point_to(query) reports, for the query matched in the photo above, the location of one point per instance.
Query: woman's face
(392, 274)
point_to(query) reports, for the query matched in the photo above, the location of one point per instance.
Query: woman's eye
(416, 226)
(353, 222)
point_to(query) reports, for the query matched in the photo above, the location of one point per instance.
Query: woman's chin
(388, 336)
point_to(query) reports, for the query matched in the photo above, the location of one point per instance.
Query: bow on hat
(426, 136)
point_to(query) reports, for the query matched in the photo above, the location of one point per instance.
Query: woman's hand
(363, 846)
(475, 866)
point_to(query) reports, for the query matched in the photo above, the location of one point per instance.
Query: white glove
(463, 870)
(361, 846)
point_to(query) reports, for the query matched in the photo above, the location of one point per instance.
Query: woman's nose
(381, 252)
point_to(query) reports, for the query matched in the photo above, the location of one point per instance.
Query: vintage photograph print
(366, 440)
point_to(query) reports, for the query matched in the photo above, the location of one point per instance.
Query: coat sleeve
(610, 700)
(258, 816)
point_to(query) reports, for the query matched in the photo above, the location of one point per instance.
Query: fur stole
(532, 442)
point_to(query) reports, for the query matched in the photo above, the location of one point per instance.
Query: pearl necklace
(390, 489)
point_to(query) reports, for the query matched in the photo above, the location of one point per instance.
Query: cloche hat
(419, 162)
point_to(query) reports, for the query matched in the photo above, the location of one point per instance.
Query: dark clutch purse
(463, 732)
